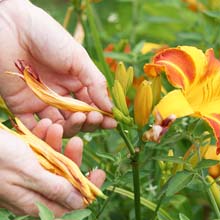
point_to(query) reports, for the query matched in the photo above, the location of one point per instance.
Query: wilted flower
(56, 162)
(49, 96)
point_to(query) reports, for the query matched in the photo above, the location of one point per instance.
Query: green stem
(105, 204)
(126, 139)
(98, 45)
(209, 192)
(145, 202)
(135, 12)
(136, 184)
(134, 156)
(214, 204)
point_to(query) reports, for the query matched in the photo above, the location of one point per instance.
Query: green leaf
(44, 212)
(178, 182)
(5, 214)
(206, 163)
(77, 215)
(106, 156)
(119, 56)
(183, 217)
(213, 15)
(169, 159)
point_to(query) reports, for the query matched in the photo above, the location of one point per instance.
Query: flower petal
(199, 60)
(214, 122)
(173, 103)
(177, 64)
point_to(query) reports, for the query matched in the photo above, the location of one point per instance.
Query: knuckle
(56, 191)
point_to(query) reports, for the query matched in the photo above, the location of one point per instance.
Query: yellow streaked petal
(173, 103)
(199, 60)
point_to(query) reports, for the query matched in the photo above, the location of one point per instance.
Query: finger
(74, 150)
(22, 201)
(53, 187)
(83, 95)
(74, 124)
(65, 55)
(52, 113)
(28, 120)
(97, 177)
(54, 136)
(41, 128)
(109, 123)
(93, 121)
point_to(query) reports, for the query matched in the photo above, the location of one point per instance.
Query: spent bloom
(56, 162)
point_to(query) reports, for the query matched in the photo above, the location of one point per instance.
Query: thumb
(64, 55)
(55, 188)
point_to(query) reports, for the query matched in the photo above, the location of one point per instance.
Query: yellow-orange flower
(196, 75)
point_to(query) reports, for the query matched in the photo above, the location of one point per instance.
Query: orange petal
(177, 64)
(214, 122)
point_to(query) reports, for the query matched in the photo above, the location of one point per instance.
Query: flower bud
(125, 77)
(215, 188)
(119, 97)
(143, 103)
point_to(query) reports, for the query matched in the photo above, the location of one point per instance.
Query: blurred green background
(169, 22)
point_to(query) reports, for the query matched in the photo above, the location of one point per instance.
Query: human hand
(24, 182)
(29, 33)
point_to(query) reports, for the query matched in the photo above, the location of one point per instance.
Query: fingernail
(75, 200)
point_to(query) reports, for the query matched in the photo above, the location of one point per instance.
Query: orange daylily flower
(196, 75)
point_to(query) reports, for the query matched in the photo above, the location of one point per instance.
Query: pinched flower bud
(143, 103)
(119, 116)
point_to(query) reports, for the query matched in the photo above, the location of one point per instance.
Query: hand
(24, 182)
(29, 33)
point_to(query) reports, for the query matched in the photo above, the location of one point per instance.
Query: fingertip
(94, 117)
(74, 150)
(54, 136)
(109, 123)
(40, 129)
(97, 177)
(74, 123)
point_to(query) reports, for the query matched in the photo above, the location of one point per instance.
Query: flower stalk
(97, 42)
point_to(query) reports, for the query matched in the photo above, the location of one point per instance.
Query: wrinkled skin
(30, 34)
